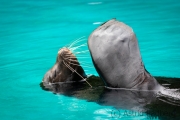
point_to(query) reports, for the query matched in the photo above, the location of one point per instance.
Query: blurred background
(32, 32)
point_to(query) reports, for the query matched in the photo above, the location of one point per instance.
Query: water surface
(32, 31)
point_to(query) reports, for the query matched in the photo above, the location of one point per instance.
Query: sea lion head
(66, 68)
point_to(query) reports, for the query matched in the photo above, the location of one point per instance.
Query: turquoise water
(32, 31)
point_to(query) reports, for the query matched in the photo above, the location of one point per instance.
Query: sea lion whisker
(86, 56)
(72, 60)
(74, 48)
(77, 73)
(70, 68)
(76, 41)
(84, 64)
(69, 60)
(81, 52)
(70, 47)
(77, 57)
(80, 65)
(76, 61)
(70, 56)
(74, 64)
(87, 66)
(83, 55)
(82, 39)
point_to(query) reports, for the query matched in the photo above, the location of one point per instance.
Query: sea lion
(66, 69)
(115, 54)
(116, 57)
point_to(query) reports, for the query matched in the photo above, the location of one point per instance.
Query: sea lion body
(115, 54)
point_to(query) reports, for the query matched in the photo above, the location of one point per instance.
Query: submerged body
(145, 102)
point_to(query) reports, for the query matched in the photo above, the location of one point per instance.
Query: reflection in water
(154, 104)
